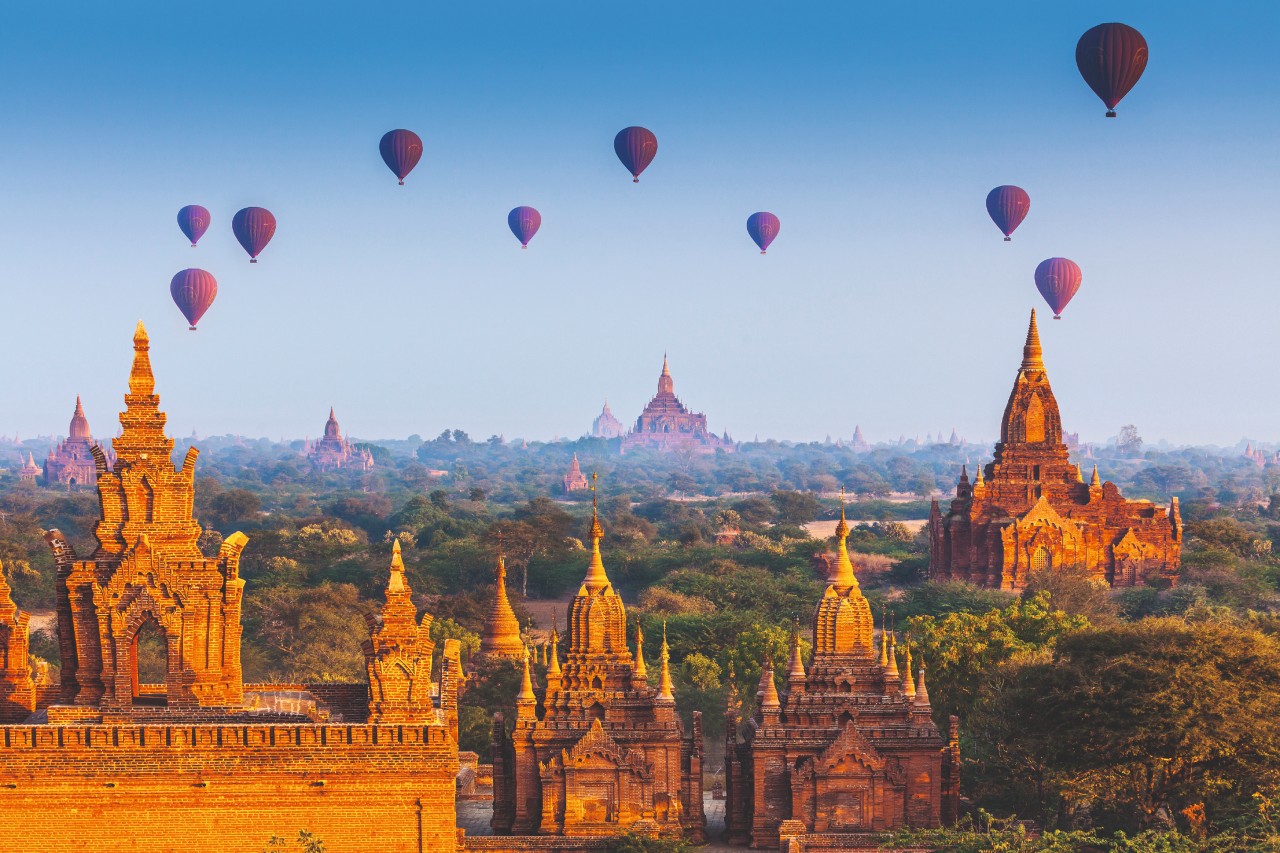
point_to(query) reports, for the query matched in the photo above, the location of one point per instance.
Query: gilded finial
(526, 684)
(796, 670)
(842, 576)
(596, 578)
(665, 690)
(884, 639)
(396, 582)
(1032, 353)
(1095, 482)
(638, 666)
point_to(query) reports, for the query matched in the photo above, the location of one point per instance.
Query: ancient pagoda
(575, 480)
(1030, 508)
(333, 451)
(667, 424)
(606, 425)
(30, 471)
(849, 745)
(598, 751)
(71, 463)
(500, 636)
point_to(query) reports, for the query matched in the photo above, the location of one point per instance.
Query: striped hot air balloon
(1058, 279)
(763, 227)
(194, 221)
(636, 147)
(1008, 205)
(193, 291)
(401, 150)
(254, 227)
(524, 222)
(1111, 59)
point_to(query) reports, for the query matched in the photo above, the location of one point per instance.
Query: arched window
(1041, 559)
(149, 651)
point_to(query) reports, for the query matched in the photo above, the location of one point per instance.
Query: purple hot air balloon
(763, 227)
(194, 221)
(401, 151)
(254, 227)
(636, 148)
(1111, 59)
(193, 291)
(1008, 206)
(1058, 279)
(524, 222)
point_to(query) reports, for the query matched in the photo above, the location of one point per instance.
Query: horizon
(888, 297)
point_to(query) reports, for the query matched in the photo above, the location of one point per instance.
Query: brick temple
(599, 752)
(606, 425)
(71, 463)
(200, 760)
(667, 424)
(574, 480)
(1030, 509)
(849, 746)
(333, 451)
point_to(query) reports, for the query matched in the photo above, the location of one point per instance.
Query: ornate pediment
(850, 744)
(597, 749)
(1130, 546)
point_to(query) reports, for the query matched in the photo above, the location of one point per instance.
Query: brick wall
(229, 788)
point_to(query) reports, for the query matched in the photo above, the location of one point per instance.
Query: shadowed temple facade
(849, 746)
(599, 752)
(200, 760)
(1031, 510)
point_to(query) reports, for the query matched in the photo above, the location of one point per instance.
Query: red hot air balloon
(1058, 279)
(194, 221)
(254, 227)
(401, 151)
(1008, 206)
(763, 227)
(636, 148)
(1111, 58)
(524, 222)
(193, 291)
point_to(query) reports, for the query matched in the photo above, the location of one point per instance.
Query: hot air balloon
(1058, 279)
(254, 227)
(1008, 206)
(401, 151)
(194, 221)
(193, 292)
(635, 147)
(1111, 58)
(763, 227)
(524, 222)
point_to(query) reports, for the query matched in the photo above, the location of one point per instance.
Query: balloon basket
(635, 180)
(402, 183)
(1008, 239)
(1057, 316)
(762, 251)
(1111, 113)
(191, 328)
(524, 245)
(193, 245)
(253, 260)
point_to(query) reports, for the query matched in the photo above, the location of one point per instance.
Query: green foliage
(305, 842)
(643, 844)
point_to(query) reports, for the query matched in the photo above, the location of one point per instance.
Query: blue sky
(874, 134)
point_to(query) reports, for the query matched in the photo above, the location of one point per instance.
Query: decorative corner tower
(17, 689)
(398, 655)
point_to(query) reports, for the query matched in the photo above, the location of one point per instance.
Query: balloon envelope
(254, 227)
(193, 292)
(1058, 279)
(1111, 58)
(401, 150)
(1008, 206)
(763, 227)
(524, 222)
(194, 221)
(636, 148)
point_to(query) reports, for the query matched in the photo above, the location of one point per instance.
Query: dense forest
(1148, 712)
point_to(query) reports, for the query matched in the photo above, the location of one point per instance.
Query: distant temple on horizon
(667, 424)
(333, 451)
(575, 480)
(1031, 510)
(71, 463)
(606, 425)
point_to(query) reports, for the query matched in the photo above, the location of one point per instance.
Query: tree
(795, 508)
(1129, 442)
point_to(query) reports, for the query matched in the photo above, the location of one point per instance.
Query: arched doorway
(149, 664)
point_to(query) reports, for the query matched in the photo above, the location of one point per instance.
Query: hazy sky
(874, 131)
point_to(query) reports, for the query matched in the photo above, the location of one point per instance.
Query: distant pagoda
(333, 451)
(575, 480)
(606, 425)
(71, 463)
(667, 424)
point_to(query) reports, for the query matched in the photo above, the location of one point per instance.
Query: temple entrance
(149, 664)
(1041, 559)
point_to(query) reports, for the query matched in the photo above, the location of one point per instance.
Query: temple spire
(596, 578)
(638, 667)
(842, 577)
(884, 641)
(1032, 354)
(665, 691)
(666, 385)
(553, 664)
(922, 692)
(893, 655)
(1095, 482)
(396, 581)
(796, 670)
(908, 685)
(500, 635)
(768, 690)
(141, 380)
(526, 696)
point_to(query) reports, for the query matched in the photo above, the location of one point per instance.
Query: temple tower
(500, 637)
(17, 689)
(398, 654)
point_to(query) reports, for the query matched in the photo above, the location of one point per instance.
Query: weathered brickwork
(203, 761)
(1030, 508)
(600, 752)
(850, 746)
